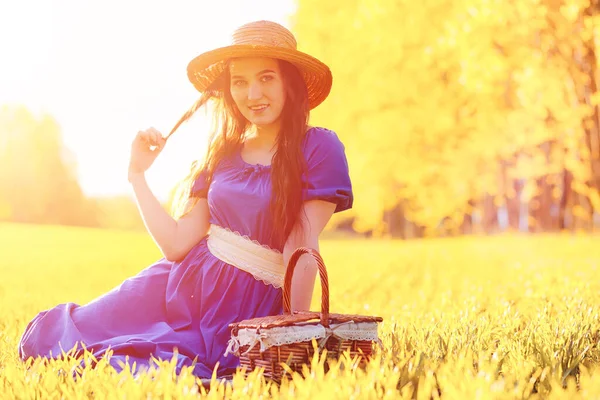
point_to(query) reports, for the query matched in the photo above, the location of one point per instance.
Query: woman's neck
(263, 137)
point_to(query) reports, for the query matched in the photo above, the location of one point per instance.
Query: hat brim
(206, 68)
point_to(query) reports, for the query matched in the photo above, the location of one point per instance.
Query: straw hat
(262, 39)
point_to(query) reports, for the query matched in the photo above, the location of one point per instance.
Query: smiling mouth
(259, 107)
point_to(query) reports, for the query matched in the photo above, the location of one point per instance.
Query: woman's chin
(262, 122)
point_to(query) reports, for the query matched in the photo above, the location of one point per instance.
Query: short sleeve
(200, 186)
(327, 175)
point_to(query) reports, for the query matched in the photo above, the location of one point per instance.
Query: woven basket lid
(299, 317)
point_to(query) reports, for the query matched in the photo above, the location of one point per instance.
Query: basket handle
(287, 285)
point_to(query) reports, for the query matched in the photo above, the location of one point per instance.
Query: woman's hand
(146, 146)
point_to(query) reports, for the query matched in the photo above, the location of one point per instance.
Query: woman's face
(257, 88)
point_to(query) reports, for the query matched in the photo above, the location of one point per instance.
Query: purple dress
(188, 304)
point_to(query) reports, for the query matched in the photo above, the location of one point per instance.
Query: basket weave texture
(268, 342)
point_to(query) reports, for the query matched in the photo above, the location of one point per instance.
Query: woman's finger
(161, 142)
(155, 133)
(141, 139)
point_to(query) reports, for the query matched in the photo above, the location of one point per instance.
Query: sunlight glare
(106, 70)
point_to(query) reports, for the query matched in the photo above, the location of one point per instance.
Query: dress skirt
(185, 305)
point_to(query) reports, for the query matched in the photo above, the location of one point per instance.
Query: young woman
(269, 184)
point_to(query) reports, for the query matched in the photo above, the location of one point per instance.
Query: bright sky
(106, 69)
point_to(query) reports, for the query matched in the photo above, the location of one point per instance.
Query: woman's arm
(313, 218)
(175, 238)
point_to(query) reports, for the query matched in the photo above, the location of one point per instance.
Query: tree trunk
(563, 217)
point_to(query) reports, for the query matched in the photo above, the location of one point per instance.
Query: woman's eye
(266, 78)
(238, 83)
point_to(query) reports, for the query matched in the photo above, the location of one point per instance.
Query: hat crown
(260, 39)
(264, 33)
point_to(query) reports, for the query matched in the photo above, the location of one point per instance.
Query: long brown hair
(229, 126)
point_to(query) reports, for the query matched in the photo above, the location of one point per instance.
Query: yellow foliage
(432, 96)
(594, 197)
(38, 182)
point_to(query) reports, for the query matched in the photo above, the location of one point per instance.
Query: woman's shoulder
(320, 132)
(317, 136)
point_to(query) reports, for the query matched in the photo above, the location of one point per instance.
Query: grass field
(465, 318)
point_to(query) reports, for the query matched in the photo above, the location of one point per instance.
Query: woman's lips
(258, 109)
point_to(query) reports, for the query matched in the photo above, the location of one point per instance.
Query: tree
(446, 107)
(38, 181)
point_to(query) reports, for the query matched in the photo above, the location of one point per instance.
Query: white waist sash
(263, 263)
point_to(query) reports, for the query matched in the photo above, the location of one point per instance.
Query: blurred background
(459, 117)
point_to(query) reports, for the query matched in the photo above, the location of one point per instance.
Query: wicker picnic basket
(271, 341)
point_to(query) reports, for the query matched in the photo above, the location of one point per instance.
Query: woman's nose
(254, 92)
